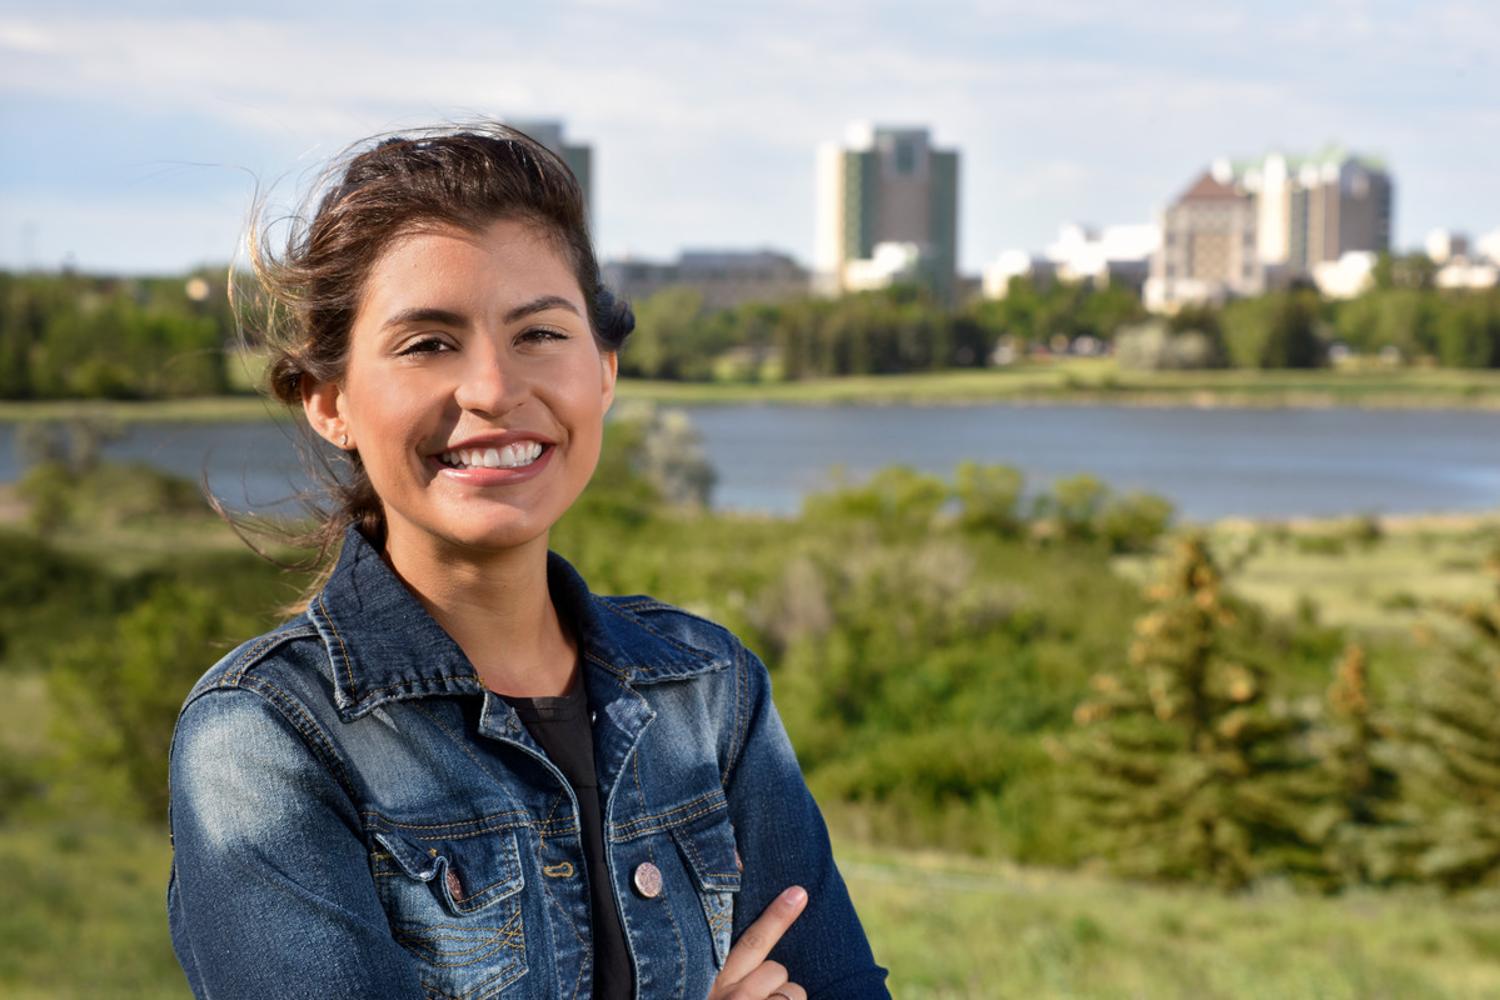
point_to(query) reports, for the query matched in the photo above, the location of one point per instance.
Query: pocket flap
(709, 850)
(466, 874)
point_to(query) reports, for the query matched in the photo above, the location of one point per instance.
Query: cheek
(388, 422)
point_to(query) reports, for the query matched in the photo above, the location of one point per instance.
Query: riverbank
(1079, 382)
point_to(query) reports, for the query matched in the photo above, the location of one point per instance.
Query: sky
(135, 136)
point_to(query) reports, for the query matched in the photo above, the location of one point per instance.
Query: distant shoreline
(1066, 384)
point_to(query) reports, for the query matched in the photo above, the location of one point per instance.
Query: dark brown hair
(380, 190)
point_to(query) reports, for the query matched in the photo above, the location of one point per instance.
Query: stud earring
(343, 441)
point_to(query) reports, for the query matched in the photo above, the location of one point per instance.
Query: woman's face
(475, 392)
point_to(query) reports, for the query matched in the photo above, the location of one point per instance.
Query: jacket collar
(384, 646)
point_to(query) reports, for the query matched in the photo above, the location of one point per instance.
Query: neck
(496, 606)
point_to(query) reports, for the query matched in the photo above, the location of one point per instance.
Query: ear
(323, 402)
(611, 362)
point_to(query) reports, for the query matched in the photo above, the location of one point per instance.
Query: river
(1210, 463)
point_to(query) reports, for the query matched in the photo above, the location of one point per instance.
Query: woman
(457, 772)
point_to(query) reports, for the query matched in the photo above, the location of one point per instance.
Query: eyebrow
(414, 317)
(447, 317)
(540, 304)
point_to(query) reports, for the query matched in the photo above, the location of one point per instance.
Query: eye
(541, 335)
(425, 345)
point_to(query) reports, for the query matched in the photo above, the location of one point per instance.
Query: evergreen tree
(1371, 842)
(1458, 723)
(1187, 772)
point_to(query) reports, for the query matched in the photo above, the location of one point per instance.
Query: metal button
(455, 887)
(647, 880)
(739, 863)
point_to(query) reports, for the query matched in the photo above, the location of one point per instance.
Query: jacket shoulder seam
(295, 715)
(741, 725)
(253, 654)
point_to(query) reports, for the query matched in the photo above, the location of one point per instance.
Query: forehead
(507, 261)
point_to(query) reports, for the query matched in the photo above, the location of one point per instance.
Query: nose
(488, 385)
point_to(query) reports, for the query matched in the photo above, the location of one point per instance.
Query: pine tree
(1370, 844)
(1187, 773)
(1458, 723)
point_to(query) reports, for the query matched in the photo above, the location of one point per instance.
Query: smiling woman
(455, 771)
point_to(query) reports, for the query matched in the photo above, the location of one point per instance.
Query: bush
(118, 694)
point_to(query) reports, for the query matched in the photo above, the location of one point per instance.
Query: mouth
(519, 455)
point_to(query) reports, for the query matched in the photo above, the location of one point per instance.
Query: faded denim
(355, 815)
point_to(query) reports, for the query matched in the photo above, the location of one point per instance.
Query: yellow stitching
(621, 674)
(447, 826)
(311, 732)
(343, 649)
(692, 810)
(563, 869)
(567, 919)
(676, 931)
(543, 828)
(508, 937)
(737, 742)
(462, 745)
(250, 657)
(631, 833)
(246, 658)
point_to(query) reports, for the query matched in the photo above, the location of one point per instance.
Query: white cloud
(704, 117)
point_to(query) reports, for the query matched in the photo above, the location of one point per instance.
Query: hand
(746, 974)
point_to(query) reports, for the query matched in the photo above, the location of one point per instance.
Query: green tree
(1370, 843)
(117, 695)
(1280, 330)
(1458, 725)
(1414, 270)
(1183, 768)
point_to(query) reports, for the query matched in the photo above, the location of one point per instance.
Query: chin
(497, 537)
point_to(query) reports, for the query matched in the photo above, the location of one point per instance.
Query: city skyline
(135, 141)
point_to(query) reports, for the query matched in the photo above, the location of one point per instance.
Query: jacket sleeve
(783, 841)
(271, 893)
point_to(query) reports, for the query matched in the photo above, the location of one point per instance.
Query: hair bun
(616, 318)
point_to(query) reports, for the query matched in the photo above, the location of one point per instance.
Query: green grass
(85, 912)
(206, 409)
(952, 928)
(1080, 381)
(86, 918)
(1400, 582)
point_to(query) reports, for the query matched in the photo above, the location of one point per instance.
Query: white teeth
(512, 456)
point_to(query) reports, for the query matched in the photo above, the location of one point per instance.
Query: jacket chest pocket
(456, 906)
(714, 866)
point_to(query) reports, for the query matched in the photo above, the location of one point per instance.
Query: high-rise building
(1208, 247)
(1312, 210)
(887, 186)
(580, 159)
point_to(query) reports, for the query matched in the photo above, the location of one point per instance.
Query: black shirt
(562, 727)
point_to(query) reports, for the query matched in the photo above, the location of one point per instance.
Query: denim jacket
(355, 815)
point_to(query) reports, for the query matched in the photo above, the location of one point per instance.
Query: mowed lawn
(1060, 380)
(84, 917)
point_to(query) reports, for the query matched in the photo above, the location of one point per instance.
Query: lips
(510, 456)
(494, 460)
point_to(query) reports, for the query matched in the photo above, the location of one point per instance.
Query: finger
(761, 936)
(762, 981)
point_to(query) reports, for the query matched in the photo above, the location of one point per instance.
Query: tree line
(76, 336)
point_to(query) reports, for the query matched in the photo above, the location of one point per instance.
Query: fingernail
(795, 896)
